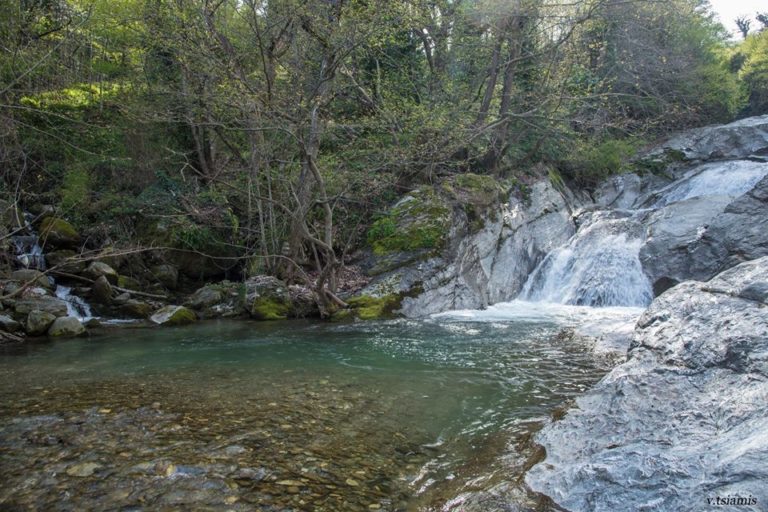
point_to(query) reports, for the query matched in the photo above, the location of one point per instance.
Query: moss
(58, 230)
(658, 164)
(182, 316)
(366, 307)
(266, 308)
(128, 283)
(419, 222)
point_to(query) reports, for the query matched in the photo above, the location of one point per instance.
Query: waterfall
(76, 306)
(599, 266)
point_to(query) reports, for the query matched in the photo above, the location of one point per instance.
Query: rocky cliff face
(682, 422)
(702, 210)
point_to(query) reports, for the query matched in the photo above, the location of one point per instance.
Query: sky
(729, 10)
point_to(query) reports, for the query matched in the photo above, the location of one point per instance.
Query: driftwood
(118, 288)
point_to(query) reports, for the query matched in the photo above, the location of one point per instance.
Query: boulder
(101, 291)
(136, 309)
(740, 139)
(168, 275)
(98, 268)
(65, 260)
(35, 277)
(58, 232)
(52, 305)
(205, 297)
(173, 315)
(683, 420)
(38, 322)
(8, 324)
(267, 298)
(66, 326)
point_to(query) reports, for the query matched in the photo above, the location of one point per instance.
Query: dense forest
(256, 137)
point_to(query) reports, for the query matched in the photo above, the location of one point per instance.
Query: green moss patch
(266, 308)
(366, 307)
(419, 222)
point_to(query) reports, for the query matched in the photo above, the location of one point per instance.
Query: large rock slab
(740, 139)
(683, 421)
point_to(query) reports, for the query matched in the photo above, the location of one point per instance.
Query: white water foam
(76, 306)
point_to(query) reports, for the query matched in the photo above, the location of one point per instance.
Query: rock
(58, 232)
(98, 268)
(128, 283)
(101, 291)
(8, 324)
(173, 315)
(11, 216)
(121, 299)
(35, 277)
(38, 322)
(683, 419)
(65, 260)
(52, 305)
(489, 265)
(740, 139)
(267, 298)
(136, 309)
(205, 297)
(167, 274)
(83, 470)
(66, 326)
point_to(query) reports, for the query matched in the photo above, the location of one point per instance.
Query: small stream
(397, 415)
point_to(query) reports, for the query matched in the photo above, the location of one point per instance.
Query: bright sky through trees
(729, 10)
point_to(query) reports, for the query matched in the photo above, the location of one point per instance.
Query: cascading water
(76, 306)
(29, 254)
(598, 267)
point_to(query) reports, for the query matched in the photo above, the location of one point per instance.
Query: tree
(743, 23)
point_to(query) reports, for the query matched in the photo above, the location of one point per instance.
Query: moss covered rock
(419, 221)
(173, 315)
(267, 298)
(58, 232)
(366, 307)
(136, 309)
(38, 322)
(65, 327)
(98, 269)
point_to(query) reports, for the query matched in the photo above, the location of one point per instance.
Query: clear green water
(278, 416)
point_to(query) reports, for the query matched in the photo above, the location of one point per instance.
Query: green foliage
(594, 162)
(751, 62)
(75, 190)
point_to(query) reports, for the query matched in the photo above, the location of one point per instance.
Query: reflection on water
(278, 416)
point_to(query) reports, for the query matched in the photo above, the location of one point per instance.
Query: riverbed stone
(8, 324)
(101, 291)
(66, 326)
(684, 418)
(166, 274)
(38, 322)
(98, 269)
(173, 315)
(65, 260)
(267, 298)
(58, 232)
(53, 305)
(136, 309)
(35, 277)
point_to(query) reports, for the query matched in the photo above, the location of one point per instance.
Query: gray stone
(739, 139)
(35, 277)
(65, 260)
(684, 418)
(136, 309)
(267, 298)
(168, 275)
(101, 291)
(66, 326)
(38, 322)
(53, 305)
(8, 324)
(205, 297)
(173, 315)
(98, 268)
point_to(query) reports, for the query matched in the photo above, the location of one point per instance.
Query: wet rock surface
(683, 420)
